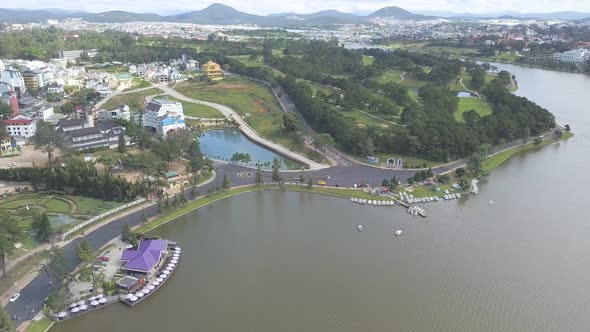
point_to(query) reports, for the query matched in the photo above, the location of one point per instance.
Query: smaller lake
(223, 143)
(464, 94)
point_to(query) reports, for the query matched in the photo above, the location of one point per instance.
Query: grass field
(480, 105)
(41, 325)
(368, 60)
(254, 102)
(134, 100)
(197, 110)
(247, 61)
(92, 206)
(366, 120)
(389, 76)
(58, 205)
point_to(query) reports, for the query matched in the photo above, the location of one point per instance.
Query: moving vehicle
(14, 297)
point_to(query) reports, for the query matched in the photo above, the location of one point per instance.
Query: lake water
(222, 144)
(464, 94)
(286, 261)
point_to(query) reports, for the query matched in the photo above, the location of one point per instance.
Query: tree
(558, 133)
(57, 266)
(42, 227)
(460, 172)
(567, 127)
(538, 140)
(410, 180)
(10, 234)
(322, 142)
(385, 183)
(276, 164)
(302, 177)
(259, 179)
(475, 162)
(126, 233)
(47, 139)
(85, 251)
(310, 182)
(225, 183)
(5, 321)
(121, 144)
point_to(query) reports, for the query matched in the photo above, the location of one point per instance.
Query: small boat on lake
(398, 232)
(360, 228)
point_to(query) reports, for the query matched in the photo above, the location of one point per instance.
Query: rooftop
(146, 257)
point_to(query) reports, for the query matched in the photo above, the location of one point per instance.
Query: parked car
(103, 259)
(322, 183)
(14, 297)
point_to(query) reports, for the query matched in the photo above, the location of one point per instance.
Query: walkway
(108, 97)
(245, 128)
(402, 77)
(470, 91)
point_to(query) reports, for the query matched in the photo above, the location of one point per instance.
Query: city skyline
(266, 7)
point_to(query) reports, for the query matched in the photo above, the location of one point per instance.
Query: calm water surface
(284, 261)
(222, 144)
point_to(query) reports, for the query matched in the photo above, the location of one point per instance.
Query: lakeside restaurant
(146, 260)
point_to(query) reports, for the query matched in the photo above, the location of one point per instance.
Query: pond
(222, 144)
(464, 94)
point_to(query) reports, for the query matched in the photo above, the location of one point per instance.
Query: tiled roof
(146, 257)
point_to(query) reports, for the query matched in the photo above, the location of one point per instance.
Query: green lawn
(480, 105)
(41, 325)
(197, 110)
(389, 76)
(135, 100)
(368, 60)
(254, 102)
(59, 205)
(19, 201)
(92, 206)
(367, 120)
(258, 62)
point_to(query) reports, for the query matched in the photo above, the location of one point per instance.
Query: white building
(163, 116)
(55, 88)
(14, 79)
(21, 126)
(122, 112)
(574, 56)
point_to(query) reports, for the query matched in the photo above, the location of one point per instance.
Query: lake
(223, 143)
(286, 261)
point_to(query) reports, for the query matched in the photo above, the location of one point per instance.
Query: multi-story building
(55, 88)
(21, 126)
(212, 71)
(84, 134)
(163, 116)
(122, 112)
(8, 96)
(71, 55)
(33, 79)
(574, 56)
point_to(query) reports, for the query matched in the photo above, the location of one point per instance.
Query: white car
(14, 297)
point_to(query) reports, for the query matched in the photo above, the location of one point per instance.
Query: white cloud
(307, 6)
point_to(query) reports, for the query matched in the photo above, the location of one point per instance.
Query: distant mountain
(118, 16)
(397, 12)
(565, 15)
(217, 14)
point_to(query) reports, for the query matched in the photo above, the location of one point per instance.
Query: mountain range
(222, 14)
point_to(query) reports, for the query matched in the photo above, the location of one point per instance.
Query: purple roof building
(147, 256)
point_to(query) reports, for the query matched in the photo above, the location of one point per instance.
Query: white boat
(398, 232)
(491, 203)
(360, 228)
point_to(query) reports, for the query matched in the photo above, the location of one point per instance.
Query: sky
(264, 7)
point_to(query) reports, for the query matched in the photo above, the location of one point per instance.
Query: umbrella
(130, 295)
(73, 305)
(155, 283)
(102, 300)
(94, 303)
(169, 268)
(159, 279)
(99, 296)
(133, 298)
(145, 291)
(81, 302)
(163, 275)
(62, 314)
(171, 265)
(166, 272)
(151, 287)
(139, 294)
(177, 249)
(175, 261)
(176, 255)
(92, 298)
(75, 310)
(83, 307)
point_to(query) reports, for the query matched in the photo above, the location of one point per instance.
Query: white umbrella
(94, 303)
(166, 272)
(176, 255)
(81, 302)
(151, 287)
(62, 314)
(130, 295)
(174, 261)
(169, 268)
(177, 249)
(73, 305)
(155, 283)
(139, 294)
(92, 298)
(145, 291)
(83, 307)
(102, 300)
(163, 275)
(133, 298)
(171, 265)
(99, 296)
(159, 279)
(75, 310)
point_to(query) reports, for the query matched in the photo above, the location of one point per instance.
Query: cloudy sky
(307, 6)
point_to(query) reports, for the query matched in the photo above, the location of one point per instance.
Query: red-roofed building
(21, 126)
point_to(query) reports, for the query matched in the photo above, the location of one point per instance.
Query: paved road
(108, 97)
